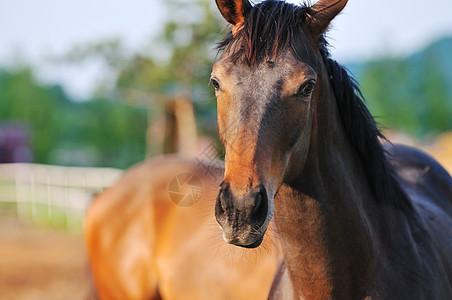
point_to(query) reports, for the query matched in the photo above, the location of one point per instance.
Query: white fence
(52, 194)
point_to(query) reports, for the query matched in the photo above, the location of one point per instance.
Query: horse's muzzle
(242, 216)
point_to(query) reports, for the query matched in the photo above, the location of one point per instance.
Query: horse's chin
(253, 245)
(247, 240)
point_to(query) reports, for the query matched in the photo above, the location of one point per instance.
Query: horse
(153, 235)
(357, 217)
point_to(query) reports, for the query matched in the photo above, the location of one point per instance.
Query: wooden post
(186, 127)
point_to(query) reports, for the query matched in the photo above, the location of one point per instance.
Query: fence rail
(52, 194)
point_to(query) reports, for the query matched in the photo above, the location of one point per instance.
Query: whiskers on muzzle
(242, 217)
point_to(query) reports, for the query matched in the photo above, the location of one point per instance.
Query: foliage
(187, 42)
(22, 99)
(411, 94)
(95, 133)
(112, 133)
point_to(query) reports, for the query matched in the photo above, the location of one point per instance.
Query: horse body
(143, 246)
(355, 221)
(429, 187)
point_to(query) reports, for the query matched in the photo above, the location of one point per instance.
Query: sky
(33, 31)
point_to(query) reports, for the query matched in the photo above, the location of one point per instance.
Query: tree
(187, 41)
(22, 99)
(410, 94)
(111, 133)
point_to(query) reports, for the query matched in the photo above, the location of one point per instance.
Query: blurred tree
(175, 65)
(387, 97)
(181, 56)
(433, 90)
(411, 94)
(23, 99)
(178, 62)
(115, 131)
(103, 133)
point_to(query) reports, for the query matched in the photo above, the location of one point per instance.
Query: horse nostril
(221, 205)
(260, 209)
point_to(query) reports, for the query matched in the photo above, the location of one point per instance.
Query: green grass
(40, 215)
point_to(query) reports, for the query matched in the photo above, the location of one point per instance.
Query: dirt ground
(37, 263)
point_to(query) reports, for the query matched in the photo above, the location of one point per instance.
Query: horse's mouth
(255, 244)
(245, 240)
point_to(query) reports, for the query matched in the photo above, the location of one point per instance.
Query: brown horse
(143, 246)
(356, 219)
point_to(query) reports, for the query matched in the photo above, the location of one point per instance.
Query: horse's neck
(327, 238)
(324, 222)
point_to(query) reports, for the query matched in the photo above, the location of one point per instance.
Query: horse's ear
(234, 11)
(322, 13)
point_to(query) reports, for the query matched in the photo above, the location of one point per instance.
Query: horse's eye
(307, 88)
(215, 84)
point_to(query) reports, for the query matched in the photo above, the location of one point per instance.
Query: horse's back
(142, 245)
(120, 236)
(421, 176)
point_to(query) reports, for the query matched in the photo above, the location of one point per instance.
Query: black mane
(270, 27)
(274, 26)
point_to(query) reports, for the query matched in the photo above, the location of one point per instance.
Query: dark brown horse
(357, 219)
